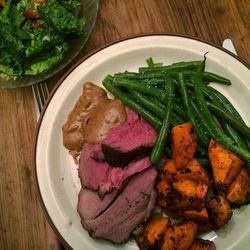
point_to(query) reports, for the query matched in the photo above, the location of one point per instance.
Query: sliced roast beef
(90, 204)
(118, 158)
(101, 176)
(92, 173)
(127, 142)
(118, 176)
(132, 116)
(132, 206)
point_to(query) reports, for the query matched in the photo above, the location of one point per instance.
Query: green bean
(127, 74)
(245, 130)
(215, 131)
(188, 108)
(206, 136)
(158, 110)
(212, 77)
(206, 76)
(178, 66)
(156, 153)
(217, 110)
(226, 103)
(144, 88)
(156, 102)
(226, 126)
(150, 62)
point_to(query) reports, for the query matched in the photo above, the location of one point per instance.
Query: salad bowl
(86, 12)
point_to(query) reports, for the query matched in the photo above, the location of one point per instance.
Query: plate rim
(68, 72)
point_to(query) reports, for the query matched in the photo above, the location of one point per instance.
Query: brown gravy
(91, 118)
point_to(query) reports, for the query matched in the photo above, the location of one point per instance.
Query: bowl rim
(64, 76)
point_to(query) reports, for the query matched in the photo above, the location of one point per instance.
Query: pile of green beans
(169, 95)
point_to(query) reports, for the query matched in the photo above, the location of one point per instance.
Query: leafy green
(33, 46)
(5, 13)
(43, 39)
(46, 62)
(71, 4)
(60, 18)
(10, 43)
(17, 16)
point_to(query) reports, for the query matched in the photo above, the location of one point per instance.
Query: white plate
(57, 176)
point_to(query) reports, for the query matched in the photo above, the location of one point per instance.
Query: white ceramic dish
(57, 177)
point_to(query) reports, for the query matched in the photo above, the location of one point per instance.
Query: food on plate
(219, 210)
(129, 207)
(167, 142)
(198, 216)
(35, 35)
(186, 194)
(153, 233)
(225, 165)
(129, 141)
(145, 92)
(183, 144)
(238, 192)
(103, 177)
(161, 234)
(101, 170)
(194, 170)
(91, 118)
(184, 234)
(183, 188)
(200, 244)
(115, 171)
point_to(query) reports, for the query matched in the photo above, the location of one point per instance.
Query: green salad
(35, 34)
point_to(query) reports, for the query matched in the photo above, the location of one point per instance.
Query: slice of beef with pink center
(92, 173)
(101, 176)
(116, 221)
(127, 142)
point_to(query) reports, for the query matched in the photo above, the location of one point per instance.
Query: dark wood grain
(22, 223)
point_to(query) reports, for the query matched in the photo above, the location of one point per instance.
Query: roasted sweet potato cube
(194, 171)
(219, 211)
(163, 189)
(184, 234)
(154, 232)
(179, 236)
(170, 171)
(168, 242)
(169, 167)
(200, 244)
(199, 216)
(239, 191)
(184, 144)
(187, 194)
(225, 165)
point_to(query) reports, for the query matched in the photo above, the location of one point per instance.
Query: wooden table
(22, 224)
